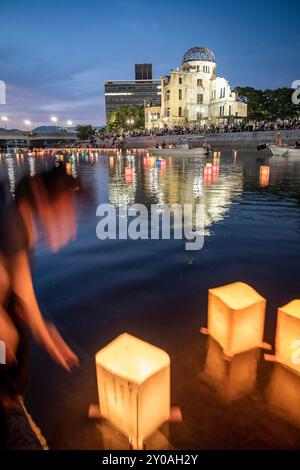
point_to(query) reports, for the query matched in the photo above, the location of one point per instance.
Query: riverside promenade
(229, 140)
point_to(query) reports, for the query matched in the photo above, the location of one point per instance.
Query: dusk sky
(55, 56)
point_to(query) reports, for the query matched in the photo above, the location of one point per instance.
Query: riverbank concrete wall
(230, 140)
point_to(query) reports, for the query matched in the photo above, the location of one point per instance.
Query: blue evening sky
(55, 56)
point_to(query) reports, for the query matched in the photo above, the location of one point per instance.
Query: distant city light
(4, 119)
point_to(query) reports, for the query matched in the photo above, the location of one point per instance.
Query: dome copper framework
(199, 53)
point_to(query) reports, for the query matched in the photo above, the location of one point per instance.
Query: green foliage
(269, 104)
(117, 120)
(85, 131)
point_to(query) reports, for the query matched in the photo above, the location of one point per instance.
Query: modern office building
(120, 93)
(143, 71)
(193, 94)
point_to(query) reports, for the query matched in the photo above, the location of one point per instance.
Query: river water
(155, 289)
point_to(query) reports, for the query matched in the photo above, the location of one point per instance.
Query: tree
(85, 131)
(118, 119)
(268, 104)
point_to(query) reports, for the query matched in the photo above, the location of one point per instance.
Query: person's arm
(23, 287)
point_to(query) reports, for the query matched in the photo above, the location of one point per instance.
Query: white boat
(288, 151)
(276, 150)
(293, 152)
(180, 151)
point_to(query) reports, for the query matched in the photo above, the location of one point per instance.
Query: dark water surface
(154, 289)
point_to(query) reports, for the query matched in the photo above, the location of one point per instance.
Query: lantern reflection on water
(287, 345)
(134, 387)
(283, 394)
(236, 315)
(233, 380)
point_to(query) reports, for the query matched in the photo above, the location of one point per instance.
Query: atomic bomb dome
(193, 95)
(199, 53)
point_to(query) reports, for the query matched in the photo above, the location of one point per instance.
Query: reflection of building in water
(283, 394)
(122, 181)
(235, 379)
(31, 162)
(11, 173)
(182, 182)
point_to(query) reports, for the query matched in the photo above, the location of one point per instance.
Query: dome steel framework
(199, 53)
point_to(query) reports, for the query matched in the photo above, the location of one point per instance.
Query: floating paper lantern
(208, 169)
(68, 168)
(287, 345)
(283, 394)
(236, 315)
(134, 387)
(232, 380)
(264, 175)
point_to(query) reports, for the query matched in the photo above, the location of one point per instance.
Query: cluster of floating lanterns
(134, 376)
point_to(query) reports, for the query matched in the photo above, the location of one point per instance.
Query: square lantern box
(134, 387)
(287, 345)
(236, 316)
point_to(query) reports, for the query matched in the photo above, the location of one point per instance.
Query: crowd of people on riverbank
(243, 126)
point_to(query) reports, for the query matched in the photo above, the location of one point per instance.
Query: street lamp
(4, 119)
(130, 123)
(54, 119)
(70, 123)
(27, 124)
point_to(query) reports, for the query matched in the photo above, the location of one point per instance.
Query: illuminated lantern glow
(287, 343)
(208, 169)
(264, 175)
(283, 394)
(68, 168)
(134, 387)
(236, 316)
(232, 380)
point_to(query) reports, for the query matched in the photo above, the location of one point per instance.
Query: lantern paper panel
(235, 379)
(287, 347)
(134, 387)
(283, 394)
(236, 316)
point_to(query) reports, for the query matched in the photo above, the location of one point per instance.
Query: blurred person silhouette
(43, 205)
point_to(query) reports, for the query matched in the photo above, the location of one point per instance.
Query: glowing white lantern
(236, 316)
(134, 387)
(283, 394)
(232, 380)
(287, 346)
